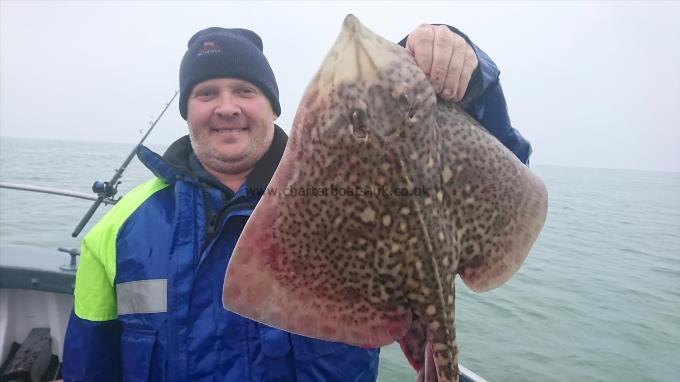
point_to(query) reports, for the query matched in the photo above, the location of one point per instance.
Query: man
(149, 286)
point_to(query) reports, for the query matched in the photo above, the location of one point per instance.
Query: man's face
(231, 124)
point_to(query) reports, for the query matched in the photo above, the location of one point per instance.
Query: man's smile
(228, 129)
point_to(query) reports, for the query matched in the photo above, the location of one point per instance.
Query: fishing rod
(107, 190)
(52, 191)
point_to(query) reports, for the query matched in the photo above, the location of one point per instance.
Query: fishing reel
(105, 190)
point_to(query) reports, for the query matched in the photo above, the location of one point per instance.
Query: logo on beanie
(209, 47)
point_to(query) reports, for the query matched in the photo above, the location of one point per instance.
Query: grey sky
(589, 84)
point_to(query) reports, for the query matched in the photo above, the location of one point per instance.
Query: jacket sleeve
(484, 100)
(92, 341)
(92, 350)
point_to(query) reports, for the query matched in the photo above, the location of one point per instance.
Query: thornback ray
(381, 197)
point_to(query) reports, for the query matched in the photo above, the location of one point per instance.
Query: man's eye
(246, 90)
(205, 93)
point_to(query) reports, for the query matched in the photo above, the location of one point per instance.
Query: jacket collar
(177, 162)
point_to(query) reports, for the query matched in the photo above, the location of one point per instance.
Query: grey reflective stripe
(143, 296)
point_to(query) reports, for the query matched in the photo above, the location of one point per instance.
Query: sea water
(598, 298)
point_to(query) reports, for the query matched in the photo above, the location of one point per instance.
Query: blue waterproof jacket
(148, 298)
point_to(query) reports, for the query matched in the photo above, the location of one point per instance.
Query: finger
(455, 68)
(469, 67)
(419, 43)
(442, 48)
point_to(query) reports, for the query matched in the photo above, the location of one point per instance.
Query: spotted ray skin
(374, 266)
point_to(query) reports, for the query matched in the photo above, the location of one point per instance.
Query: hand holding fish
(446, 58)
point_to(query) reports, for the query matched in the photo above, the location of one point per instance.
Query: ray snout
(352, 24)
(354, 56)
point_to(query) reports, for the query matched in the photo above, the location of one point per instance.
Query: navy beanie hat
(226, 53)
